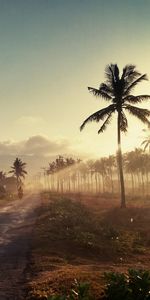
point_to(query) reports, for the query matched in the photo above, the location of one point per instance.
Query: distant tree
(18, 171)
(110, 166)
(2, 184)
(130, 166)
(117, 89)
(61, 173)
(2, 177)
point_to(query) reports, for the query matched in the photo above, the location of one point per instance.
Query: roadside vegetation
(82, 239)
(134, 285)
(69, 175)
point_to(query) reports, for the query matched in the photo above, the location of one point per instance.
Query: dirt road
(16, 224)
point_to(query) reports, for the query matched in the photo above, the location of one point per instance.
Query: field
(81, 237)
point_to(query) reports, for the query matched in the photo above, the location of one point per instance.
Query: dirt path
(16, 223)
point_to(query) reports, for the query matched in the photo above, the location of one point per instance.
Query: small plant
(117, 287)
(139, 283)
(80, 291)
(133, 286)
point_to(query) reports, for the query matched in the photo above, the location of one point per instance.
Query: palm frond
(146, 146)
(100, 93)
(146, 143)
(23, 164)
(136, 99)
(99, 115)
(131, 86)
(116, 72)
(140, 113)
(106, 89)
(107, 122)
(109, 74)
(24, 171)
(130, 73)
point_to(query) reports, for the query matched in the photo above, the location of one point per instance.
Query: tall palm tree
(18, 170)
(118, 90)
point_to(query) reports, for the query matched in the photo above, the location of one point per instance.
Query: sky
(50, 51)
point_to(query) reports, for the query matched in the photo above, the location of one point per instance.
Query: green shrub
(139, 284)
(134, 286)
(117, 287)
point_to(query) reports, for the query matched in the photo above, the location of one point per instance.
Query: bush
(133, 286)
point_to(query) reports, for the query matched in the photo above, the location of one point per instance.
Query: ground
(84, 237)
(47, 241)
(16, 224)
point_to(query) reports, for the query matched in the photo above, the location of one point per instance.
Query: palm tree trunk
(132, 180)
(96, 183)
(17, 183)
(143, 187)
(120, 167)
(111, 178)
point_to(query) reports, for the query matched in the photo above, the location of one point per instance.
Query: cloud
(37, 151)
(40, 145)
(35, 145)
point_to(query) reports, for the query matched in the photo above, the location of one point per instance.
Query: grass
(134, 285)
(82, 239)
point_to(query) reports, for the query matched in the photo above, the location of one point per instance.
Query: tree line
(100, 175)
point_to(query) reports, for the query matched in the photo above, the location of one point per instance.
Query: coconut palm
(118, 90)
(18, 171)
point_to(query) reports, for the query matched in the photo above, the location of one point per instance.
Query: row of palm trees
(100, 176)
(118, 90)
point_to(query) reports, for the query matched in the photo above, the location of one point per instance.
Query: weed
(80, 291)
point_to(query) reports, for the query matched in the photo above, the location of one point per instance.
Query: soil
(17, 219)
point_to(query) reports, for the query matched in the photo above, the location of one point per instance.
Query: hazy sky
(50, 51)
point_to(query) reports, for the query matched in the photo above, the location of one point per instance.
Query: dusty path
(16, 223)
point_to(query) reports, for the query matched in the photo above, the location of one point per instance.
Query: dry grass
(82, 239)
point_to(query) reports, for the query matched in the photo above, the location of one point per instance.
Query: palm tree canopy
(117, 89)
(18, 168)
